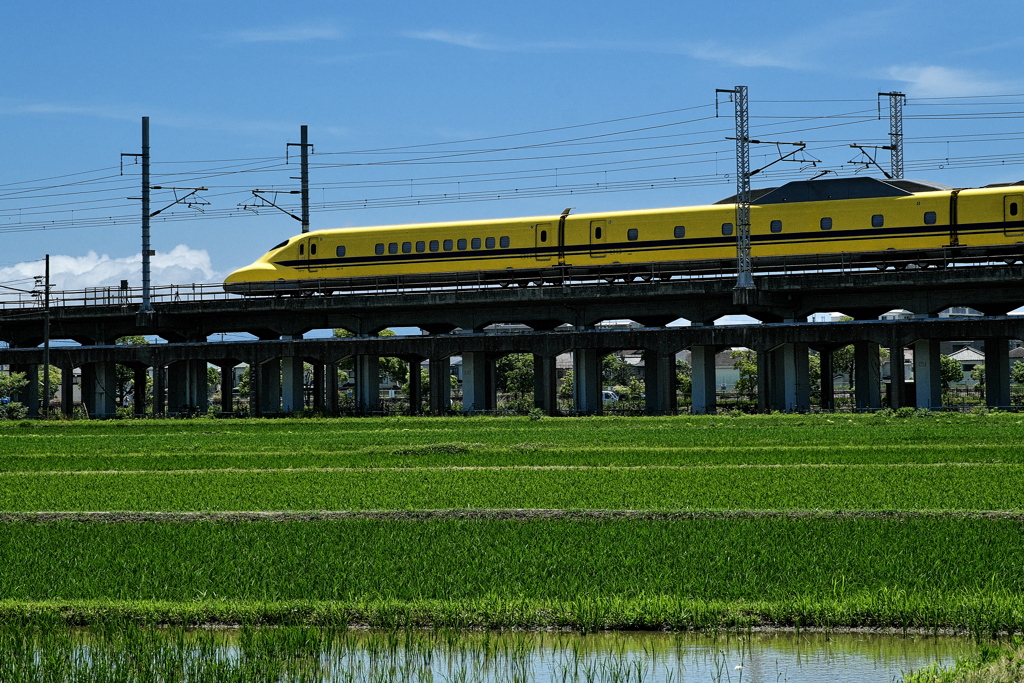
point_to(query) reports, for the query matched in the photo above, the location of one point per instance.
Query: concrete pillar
(897, 377)
(67, 391)
(586, 381)
(479, 392)
(227, 388)
(545, 389)
(255, 389)
(765, 367)
(270, 387)
(292, 385)
(99, 389)
(704, 384)
(367, 370)
(331, 388)
(159, 390)
(659, 382)
(927, 374)
(997, 373)
(789, 387)
(188, 387)
(140, 378)
(415, 386)
(828, 386)
(440, 370)
(29, 396)
(867, 375)
(319, 388)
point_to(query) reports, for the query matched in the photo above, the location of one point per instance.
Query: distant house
(968, 357)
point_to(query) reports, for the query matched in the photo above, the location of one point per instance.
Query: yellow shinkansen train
(844, 221)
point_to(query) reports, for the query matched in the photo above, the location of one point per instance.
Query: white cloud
(470, 40)
(287, 34)
(731, 54)
(940, 81)
(476, 41)
(181, 265)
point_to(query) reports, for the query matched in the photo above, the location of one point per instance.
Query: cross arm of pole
(800, 146)
(256, 193)
(176, 201)
(864, 150)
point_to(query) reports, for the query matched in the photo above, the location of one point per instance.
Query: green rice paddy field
(684, 522)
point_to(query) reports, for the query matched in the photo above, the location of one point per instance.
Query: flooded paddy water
(314, 654)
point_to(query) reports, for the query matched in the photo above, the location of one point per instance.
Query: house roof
(968, 355)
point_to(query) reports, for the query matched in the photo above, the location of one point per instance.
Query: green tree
(1017, 372)
(615, 371)
(745, 361)
(565, 388)
(395, 369)
(11, 384)
(684, 376)
(125, 374)
(978, 374)
(515, 374)
(213, 379)
(55, 380)
(950, 371)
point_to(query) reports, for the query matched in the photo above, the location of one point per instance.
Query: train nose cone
(251, 278)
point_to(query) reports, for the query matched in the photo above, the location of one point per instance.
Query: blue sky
(227, 85)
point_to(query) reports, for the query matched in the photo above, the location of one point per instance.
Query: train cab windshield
(278, 246)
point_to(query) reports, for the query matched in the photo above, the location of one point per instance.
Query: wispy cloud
(477, 41)
(178, 266)
(747, 57)
(287, 34)
(127, 112)
(940, 81)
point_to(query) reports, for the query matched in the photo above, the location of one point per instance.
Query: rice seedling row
(923, 572)
(831, 487)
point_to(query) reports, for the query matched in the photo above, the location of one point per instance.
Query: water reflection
(132, 653)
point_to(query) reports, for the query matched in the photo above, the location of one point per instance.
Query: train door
(544, 238)
(1013, 214)
(598, 238)
(312, 248)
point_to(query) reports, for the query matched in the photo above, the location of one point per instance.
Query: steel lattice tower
(744, 279)
(896, 101)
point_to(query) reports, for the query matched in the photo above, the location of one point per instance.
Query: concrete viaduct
(454, 320)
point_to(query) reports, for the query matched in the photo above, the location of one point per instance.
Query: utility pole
(303, 179)
(46, 340)
(744, 278)
(304, 147)
(147, 252)
(896, 102)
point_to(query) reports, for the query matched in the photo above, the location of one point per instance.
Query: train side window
(448, 245)
(302, 249)
(476, 242)
(393, 248)
(489, 243)
(930, 217)
(312, 250)
(726, 229)
(379, 249)
(877, 221)
(406, 247)
(632, 234)
(1013, 208)
(421, 247)
(776, 226)
(462, 244)
(679, 232)
(826, 223)
(543, 235)
(503, 242)
(339, 252)
(434, 245)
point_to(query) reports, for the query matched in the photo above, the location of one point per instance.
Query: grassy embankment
(630, 523)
